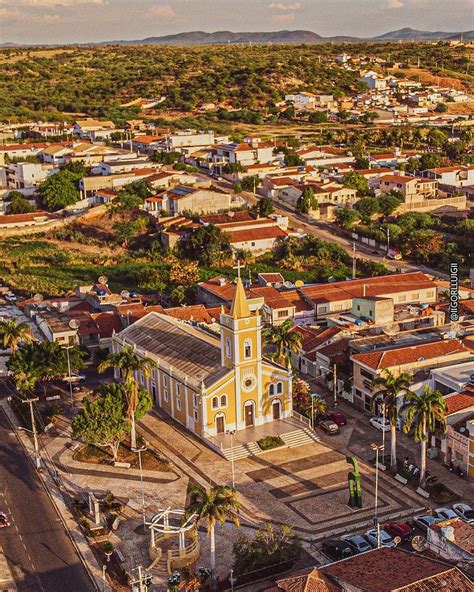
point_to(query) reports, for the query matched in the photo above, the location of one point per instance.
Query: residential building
(211, 384)
(93, 129)
(147, 143)
(27, 176)
(373, 80)
(452, 540)
(191, 199)
(412, 188)
(189, 141)
(9, 151)
(244, 153)
(56, 327)
(452, 379)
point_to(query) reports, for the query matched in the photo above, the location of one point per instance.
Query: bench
(422, 492)
(401, 479)
(53, 397)
(120, 556)
(122, 465)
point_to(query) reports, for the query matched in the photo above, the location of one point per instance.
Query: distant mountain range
(281, 37)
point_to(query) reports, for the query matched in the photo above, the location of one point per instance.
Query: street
(38, 550)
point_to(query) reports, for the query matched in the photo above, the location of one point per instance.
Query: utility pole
(334, 386)
(353, 260)
(231, 434)
(377, 448)
(139, 451)
(33, 429)
(388, 240)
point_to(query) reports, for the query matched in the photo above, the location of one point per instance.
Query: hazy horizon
(82, 21)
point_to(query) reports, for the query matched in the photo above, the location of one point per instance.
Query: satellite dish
(124, 294)
(103, 279)
(397, 540)
(419, 543)
(299, 283)
(38, 297)
(287, 284)
(74, 324)
(278, 285)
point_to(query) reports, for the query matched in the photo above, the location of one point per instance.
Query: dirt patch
(93, 455)
(461, 108)
(428, 78)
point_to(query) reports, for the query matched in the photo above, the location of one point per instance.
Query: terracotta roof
(308, 580)
(397, 179)
(335, 351)
(107, 322)
(314, 339)
(449, 169)
(389, 570)
(463, 533)
(243, 216)
(87, 325)
(409, 355)
(283, 181)
(256, 234)
(272, 277)
(225, 291)
(197, 312)
(459, 401)
(18, 218)
(146, 139)
(377, 286)
(374, 171)
(289, 298)
(14, 147)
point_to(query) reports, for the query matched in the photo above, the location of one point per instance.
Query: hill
(408, 34)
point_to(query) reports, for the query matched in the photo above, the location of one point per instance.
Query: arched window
(215, 402)
(271, 389)
(279, 388)
(227, 348)
(224, 401)
(247, 348)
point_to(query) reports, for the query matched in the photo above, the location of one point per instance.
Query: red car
(4, 522)
(337, 417)
(400, 529)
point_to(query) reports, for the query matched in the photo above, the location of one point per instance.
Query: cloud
(281, 6)
(283, 18)
(51, 3)
(393, 4)
(165, 11)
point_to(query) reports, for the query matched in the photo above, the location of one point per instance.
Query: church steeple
(240, 308)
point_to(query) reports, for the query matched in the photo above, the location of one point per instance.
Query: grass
(270, 442)
(441, 494)
(94, 455)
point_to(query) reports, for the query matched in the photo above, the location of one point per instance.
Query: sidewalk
(53, 487)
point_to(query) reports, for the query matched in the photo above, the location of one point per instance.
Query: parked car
(337, 417)
(337, 549)
(10, 297)
(74, 378)
(385, 539)
(400, 529)
(465, 512)
(4, 522)
(357, 542)
(424, 522)
(328, 426)
(445, 514)
(378, 423)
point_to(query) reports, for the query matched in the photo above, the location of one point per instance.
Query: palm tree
(424, 410)
(284, 338)
(129, 364)
(218, 504)
(12, 333)
(391, 387)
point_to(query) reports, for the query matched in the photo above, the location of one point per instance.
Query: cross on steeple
(238, 267)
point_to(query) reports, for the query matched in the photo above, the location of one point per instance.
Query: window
(271, 390)
(195, 401)
(458, 456)
(430, 294)
(415, 296)
(215, 402)
(178, 404)
(247, 348)
(224, 401)
(178, 389)
(370, 313)
(282, 314)
(402, 298)
(165, 393)
(165, 381)
(358, 393)
(195, 415)
(153, 391)
(279, 388)
(227, 348)
(366, 374)
(142, 378)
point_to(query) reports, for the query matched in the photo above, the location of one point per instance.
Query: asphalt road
(38, 550)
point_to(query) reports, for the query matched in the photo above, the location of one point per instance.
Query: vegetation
(130, 365)
(390, 388)
(18, 204)
(208, 245)
(12, 333)
(217, 504)
(284, 340)
(307, 201)
(270, 442)
(427, 413)
(59, 190)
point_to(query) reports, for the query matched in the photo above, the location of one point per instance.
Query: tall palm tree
(284, 338)
(218, 504)
(12, 333)
(130, 364)
(424, 410)
(390, 388)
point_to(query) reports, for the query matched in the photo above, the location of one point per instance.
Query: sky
(71, 21)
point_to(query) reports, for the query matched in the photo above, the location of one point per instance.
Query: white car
(378, 424)
(445, 514)
(465, 512)
(10, 297)
(385, 539)
(74, 378)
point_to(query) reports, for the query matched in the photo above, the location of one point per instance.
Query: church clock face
(249, 382)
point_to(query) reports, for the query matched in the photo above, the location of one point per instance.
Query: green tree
(358, 182)
(12, 333)
(270, 546)
(389, 202)
(58, 191)
(318, 117)
(264, 207)
(367, 207)
(425, 245)
(129, 364)
(208, 244)
(441, 108)
(293, 159)
(165, 157)
(389, 389)
(250, 183)
(347, 218)
(307, 201)
(101, 421)
(18, 204)
(237, 188)
(427, 411)
(284, 338)
(217, 504)
(430, 160)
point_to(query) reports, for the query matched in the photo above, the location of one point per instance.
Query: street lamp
(34, 432)
(139, 451)
(73, 324)
(387, 232)
(232, 434)
(377, 448)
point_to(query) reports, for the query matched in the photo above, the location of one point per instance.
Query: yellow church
(211, 385)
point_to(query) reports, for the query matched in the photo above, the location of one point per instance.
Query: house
(208, 384)
(409, 358)
(115, 167)
(56, 153)
(147, 143)
(37, 219)
(452, 379)
(392, 160)
(55, 326)
(241, 153)
(270, 279)
(8, 151)
(306, 100)
(93, 129)
(191, 199)
(189, 141)
(452, 540)
(412, 188)
(337, 297)
(27, 175)
(451, 178)
(388, 569)
(373, 80)
(312, 341)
